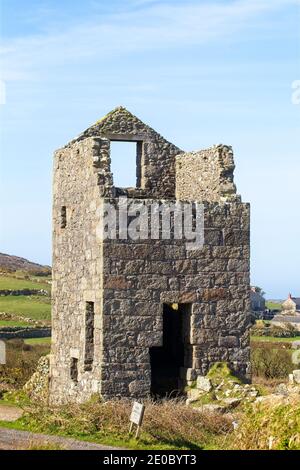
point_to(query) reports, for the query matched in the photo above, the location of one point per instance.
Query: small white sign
(2, 352)
(137, 413)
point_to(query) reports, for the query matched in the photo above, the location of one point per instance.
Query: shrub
(262, 329)
(21, 362)
(271, 363)
(269, 425)
(287, 332)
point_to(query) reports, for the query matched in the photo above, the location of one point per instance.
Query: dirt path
(11, 439)
(10, 413)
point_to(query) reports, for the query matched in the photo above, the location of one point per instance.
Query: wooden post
(137, 431)
(2, 352)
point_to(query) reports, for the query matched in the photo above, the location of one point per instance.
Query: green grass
(12, 323)
(9, 282)
(40, 278)
(273, 306)
(37, 340)
(273, 339)
(37, 308)
(126, 442)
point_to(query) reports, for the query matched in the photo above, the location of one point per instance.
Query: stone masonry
(112, 298)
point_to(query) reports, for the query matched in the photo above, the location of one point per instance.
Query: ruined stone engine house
(135, 317)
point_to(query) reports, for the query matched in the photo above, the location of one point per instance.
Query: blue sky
(200, 72)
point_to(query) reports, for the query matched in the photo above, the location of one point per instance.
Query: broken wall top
(206, 175)
(162, 169)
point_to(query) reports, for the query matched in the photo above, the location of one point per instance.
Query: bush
(283, 332)
(269, 425)
(271, 363)
(262, 329)
(21, 362)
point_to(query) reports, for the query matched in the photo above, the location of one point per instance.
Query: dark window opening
(176, 352)
(74, 369)
(89, 336)
(63, 217)
(126, 163)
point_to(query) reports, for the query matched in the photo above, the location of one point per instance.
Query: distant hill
(9, 263)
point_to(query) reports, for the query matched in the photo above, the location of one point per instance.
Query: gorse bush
(271, 363)
(269, 426)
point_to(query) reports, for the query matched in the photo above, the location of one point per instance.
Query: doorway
(168, 360)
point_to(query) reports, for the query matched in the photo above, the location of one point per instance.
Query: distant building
(258, 302)
(291, 306)
(290, 312)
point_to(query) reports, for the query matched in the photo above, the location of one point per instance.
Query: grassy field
(34, 307)
(37, 308)
(273, 306)
(12, 323)
(9, 282)
(34, 341)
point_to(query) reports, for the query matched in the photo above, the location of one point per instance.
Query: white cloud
(155, 26)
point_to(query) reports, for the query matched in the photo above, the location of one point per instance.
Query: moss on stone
(205, 399)
(220, 371)
(118, 109)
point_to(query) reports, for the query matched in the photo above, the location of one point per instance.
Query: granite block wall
(139, 277)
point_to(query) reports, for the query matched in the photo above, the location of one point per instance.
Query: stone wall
(24, 332)
(5, 292)
(140, 276)
(206, 175)
(37, 387)
(77, 270)
(20, 318)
